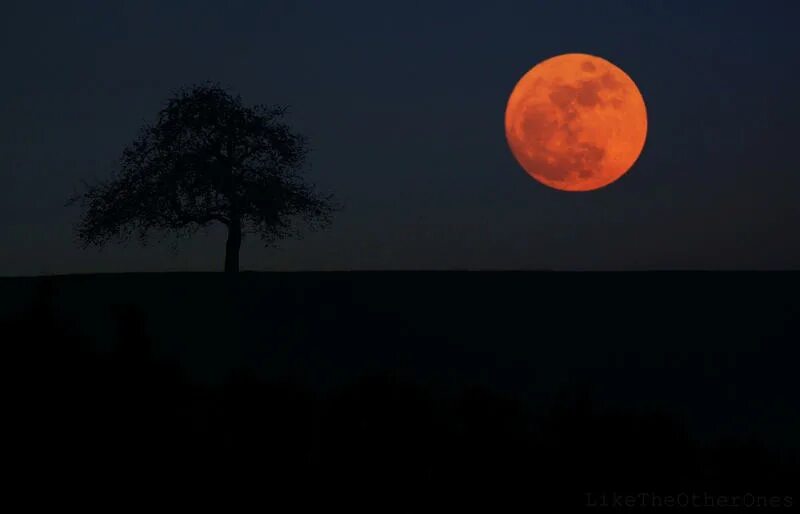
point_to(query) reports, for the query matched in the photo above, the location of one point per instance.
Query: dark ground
(403, 391)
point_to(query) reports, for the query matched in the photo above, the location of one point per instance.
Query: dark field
(406, 391)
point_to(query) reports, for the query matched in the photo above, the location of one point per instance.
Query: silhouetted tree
(207, 159)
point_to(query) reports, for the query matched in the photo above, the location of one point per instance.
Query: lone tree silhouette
(207, 159)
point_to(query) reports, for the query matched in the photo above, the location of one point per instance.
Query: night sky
(404, 104)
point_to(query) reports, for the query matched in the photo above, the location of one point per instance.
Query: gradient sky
(404, 104)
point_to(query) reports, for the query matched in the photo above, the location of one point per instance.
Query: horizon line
(390, 270)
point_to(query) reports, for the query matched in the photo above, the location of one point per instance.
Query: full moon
(576, 122)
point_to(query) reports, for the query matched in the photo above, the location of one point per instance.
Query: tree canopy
(207, 159)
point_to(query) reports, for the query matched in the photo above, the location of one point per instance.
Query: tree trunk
(232, 246)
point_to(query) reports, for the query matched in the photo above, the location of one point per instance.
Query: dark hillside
(411, 384)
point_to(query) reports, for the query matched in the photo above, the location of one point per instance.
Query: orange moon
(576, 122)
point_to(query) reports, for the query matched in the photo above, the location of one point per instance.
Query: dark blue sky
(404, 104)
